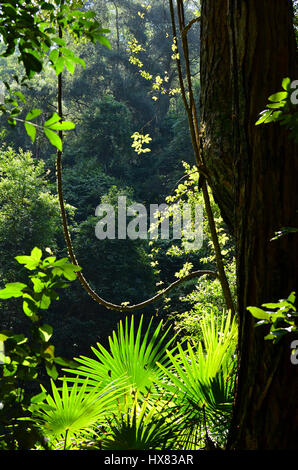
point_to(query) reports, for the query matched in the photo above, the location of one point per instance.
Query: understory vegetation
(147, 390)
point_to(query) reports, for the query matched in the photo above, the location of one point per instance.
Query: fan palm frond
(132, 355)
(201, 377)
(143, 425)
(68, 412)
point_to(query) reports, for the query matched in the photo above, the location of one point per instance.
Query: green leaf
(23, 259)
(290, 229)
(89, 14)
(69, 271)
(286, 84)
(19, 339)
(264, 115)
(31, 63)
(47, 6)
(259, 313)
(63, 126)
(51, 370)
(78, 60)
(53, 56)
(67, 53)
(59, 65)
(75, 409)
(53, 138)
(274, 117)
(60, 262)
(45, 332)
(29, 263)
(33, 114)
(52, 120)
(281, 95)
(30, 308)
(31, 130)
(15, 112)
(12, 289)
(59, 41)
(12, 122)
(103, 40)
(69, 65)
(27, 309)
(65, 362)
(280, 104)
(292, 297)
(132, 355)
(48, 261)
(11, 101)
(4, 335)
(21, 96)
(38, 285)
(44, 302)
(49, 353)
(36, 254)
(276, 335)
(273, 305)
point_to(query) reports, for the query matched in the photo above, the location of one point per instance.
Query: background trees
(108, 100)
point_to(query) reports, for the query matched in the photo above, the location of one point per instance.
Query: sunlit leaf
(33, 114)
(31, 130)
(52, 120)
(282, 95)
(53, 138)
(286, 84)
(59, 65)
(258, 313)
(45, 332)
(12, 289)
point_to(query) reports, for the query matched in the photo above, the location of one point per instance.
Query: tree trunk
(247, 48)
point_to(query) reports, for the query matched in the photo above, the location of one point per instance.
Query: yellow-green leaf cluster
(138, 141)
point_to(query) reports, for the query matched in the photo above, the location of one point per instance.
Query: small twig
(182, 178)
(187, 28)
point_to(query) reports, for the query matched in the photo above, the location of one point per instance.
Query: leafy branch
(281, 108)
(281, 316)
(31, 30)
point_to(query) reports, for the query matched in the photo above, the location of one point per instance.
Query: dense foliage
(146, 392)
(101, 163)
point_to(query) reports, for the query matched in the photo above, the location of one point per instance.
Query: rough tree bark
(247, 48)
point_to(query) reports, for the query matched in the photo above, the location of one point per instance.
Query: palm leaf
(202, 379)
(132, 355)
(68, 412)
(142, 425)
